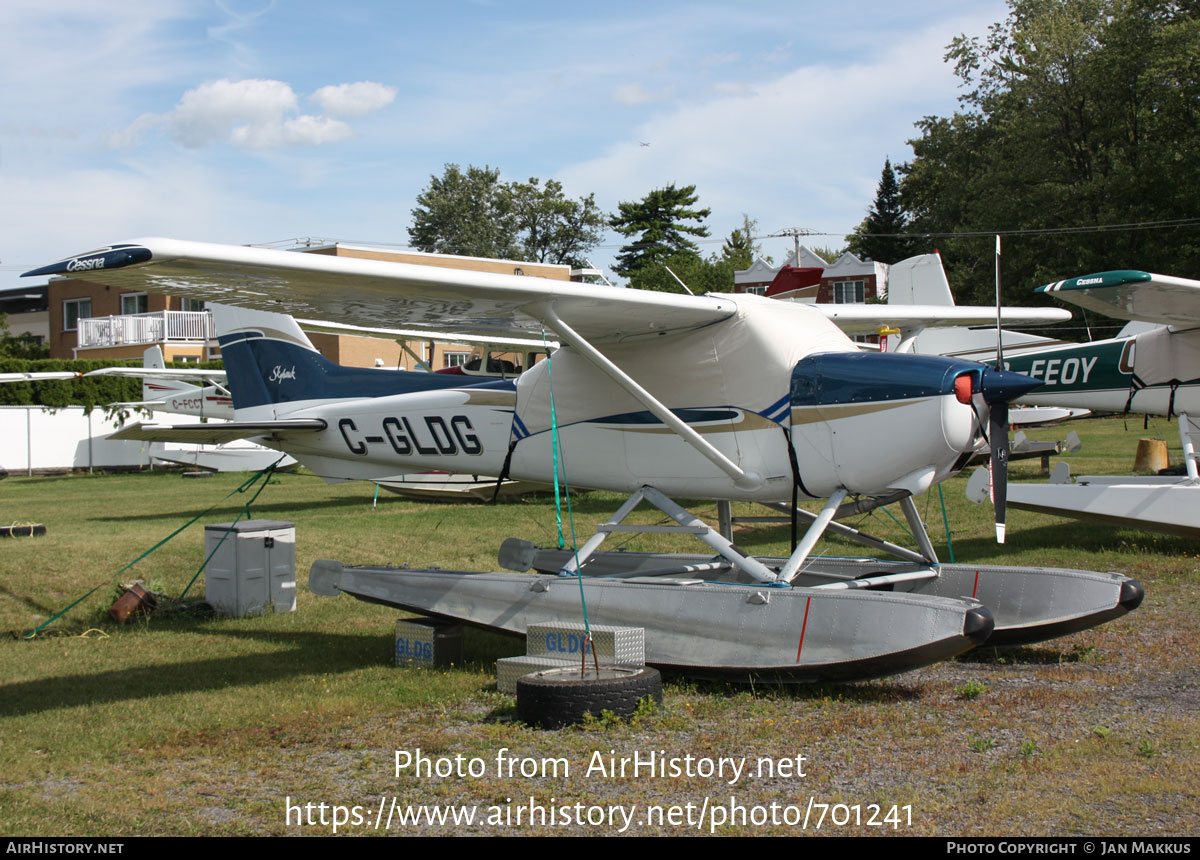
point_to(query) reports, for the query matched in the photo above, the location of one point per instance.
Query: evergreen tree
(740, 249)
(874, 238)
(659, 221)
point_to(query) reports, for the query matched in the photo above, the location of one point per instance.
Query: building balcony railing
(158, 327)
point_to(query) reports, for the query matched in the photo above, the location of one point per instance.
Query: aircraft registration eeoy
(1151, 368)
(650, 394)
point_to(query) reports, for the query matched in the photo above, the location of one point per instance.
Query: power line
(967, 234)
(1025, 231)
(1042, 231)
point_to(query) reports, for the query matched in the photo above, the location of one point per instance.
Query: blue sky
(249, 121)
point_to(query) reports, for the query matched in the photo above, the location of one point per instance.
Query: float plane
(655, 395)
(1152, 368)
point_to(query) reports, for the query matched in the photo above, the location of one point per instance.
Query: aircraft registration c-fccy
(651, 394)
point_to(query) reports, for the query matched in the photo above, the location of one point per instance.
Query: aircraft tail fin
(919, 280)
(153, 357)
(272, 366)
(156, 390)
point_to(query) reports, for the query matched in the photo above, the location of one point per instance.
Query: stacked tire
(554, 698)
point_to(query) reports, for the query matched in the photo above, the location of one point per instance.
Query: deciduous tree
(553, 228)
(474, 213)
(1079, 114)
(468, 213)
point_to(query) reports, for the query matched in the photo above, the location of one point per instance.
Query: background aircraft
(1152, 368)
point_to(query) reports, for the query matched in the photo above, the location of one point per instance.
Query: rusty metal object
(135, 601)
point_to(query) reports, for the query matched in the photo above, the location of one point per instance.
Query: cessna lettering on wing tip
(85, 264)
(444, 439)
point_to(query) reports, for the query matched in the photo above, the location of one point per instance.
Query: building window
(849, 292)
(133, 303)
(194, 305)
(757, 291)
(455, 359)
(73, 311)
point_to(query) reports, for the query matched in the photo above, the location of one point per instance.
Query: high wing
(867, 319)
(388, 294)
(1133, 295)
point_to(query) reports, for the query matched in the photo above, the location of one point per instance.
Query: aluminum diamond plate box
(564, 640)
(510, 669)
(428, 642)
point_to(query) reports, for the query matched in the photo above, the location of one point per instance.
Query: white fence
(31, 438)
(157, 327)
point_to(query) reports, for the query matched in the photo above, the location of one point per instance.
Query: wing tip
(110, 257)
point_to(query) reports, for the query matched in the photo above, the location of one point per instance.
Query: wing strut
(742, 478)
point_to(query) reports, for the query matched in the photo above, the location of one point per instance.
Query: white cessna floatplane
(652, 394)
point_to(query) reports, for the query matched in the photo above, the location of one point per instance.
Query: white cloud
(314, 130)
(636, 94)
(353, 100)
(253, 109)
(256, 114)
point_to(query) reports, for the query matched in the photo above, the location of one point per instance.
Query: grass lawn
(194, 725)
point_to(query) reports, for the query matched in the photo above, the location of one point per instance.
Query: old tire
(560, 697)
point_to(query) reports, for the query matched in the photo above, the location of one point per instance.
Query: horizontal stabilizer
(181, 374)
(216, 434)
(38, 376)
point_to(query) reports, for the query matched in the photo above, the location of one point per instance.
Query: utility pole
(795, 233)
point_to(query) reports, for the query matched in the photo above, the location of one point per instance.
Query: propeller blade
(998, 434)
(998, 387)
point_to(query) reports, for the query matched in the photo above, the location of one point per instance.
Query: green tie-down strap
(556, 453)
(246, 485)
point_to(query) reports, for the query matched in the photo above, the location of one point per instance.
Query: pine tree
(874, 238)
(659, 223)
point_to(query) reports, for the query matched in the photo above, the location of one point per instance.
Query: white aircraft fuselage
(866, 423)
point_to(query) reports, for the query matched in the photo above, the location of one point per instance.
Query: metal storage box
(509, 670)
(560, 644)
(252, 567)
(428, 642)
(564, 640)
